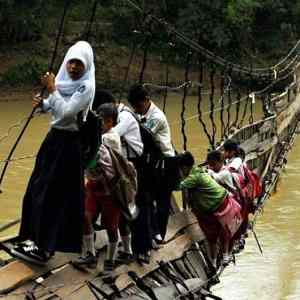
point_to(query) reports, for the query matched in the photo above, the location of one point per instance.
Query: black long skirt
(53, 205)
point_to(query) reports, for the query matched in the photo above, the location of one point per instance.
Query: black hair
(241, 153)
(101, 97)
(137, 93)
(231, 145)
(215, 155)
(108, 110)
(186, 159)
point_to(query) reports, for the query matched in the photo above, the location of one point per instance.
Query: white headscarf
(66, 86)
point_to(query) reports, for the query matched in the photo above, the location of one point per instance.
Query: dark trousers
(142, 227)
(168, 179)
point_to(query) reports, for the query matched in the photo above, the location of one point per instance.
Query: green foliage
(240, 30)
(28, 72)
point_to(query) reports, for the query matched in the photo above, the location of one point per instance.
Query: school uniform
(98, 193)
(132, 148)
(225, 178)
(216, 210)
(129, 131)
(53, 205)
(156, 121)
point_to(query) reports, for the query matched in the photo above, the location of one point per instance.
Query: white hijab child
(53, 205)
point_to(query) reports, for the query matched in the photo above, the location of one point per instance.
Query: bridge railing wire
(270, 71)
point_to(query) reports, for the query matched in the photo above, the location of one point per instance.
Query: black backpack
(90, 137)
(152, 153)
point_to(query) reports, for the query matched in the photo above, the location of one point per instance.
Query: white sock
(88, 244)
(214, 262)
(158, 237)
(126, 240)
(111, 251)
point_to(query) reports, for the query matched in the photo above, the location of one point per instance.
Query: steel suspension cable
(227, 128)
(131, 57)
(146, 46)
(200, 74)
(222, 84)
(237, 110)
(89, 25)
(212, 105)
(51, 65)
(185, 92)
(267, 72)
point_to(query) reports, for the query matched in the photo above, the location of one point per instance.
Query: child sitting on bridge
(217, 212)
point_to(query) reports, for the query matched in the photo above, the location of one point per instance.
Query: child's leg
(110, 217)
(91, 211)
(125, 235)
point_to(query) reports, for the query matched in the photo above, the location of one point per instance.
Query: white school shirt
(129, 130)
(65, 109)
(156, 121)
(236, 163)
(223, 177)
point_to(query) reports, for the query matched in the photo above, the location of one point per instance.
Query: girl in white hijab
(53, 205)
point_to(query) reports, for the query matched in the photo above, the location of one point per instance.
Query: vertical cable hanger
(229, 105)
(148, 33)
(130, 60)
(212, 105)
(167, 62)
(200, 87)
(89, 25)
(252, 103)
(145, 46)
(222, 83)
(185, 92)
(237, 108)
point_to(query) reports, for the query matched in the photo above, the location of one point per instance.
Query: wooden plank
(18, 272)
(178, 222)
(195, 233)
(13, 275)
(170, 251)
(69, 278)
(285, 117)
(82, 293)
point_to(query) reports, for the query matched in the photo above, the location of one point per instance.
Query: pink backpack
(250, 184)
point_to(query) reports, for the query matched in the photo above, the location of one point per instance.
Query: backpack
(123, 186)
(90, 137)
(250, 186)
(152, 153)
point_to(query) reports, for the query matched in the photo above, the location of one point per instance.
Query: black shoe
(143, 259)
(124, 258)
(30, 253)
(160, 241)
(156, 246)
(89, 260)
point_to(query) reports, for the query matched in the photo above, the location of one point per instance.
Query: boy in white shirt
(155, 120)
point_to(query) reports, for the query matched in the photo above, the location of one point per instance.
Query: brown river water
(273, 276)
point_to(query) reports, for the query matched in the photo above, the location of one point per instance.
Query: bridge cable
(51, 65)
(268, 71)
(222, 84)
(200, 74)
(185, 92)
(212, 105)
